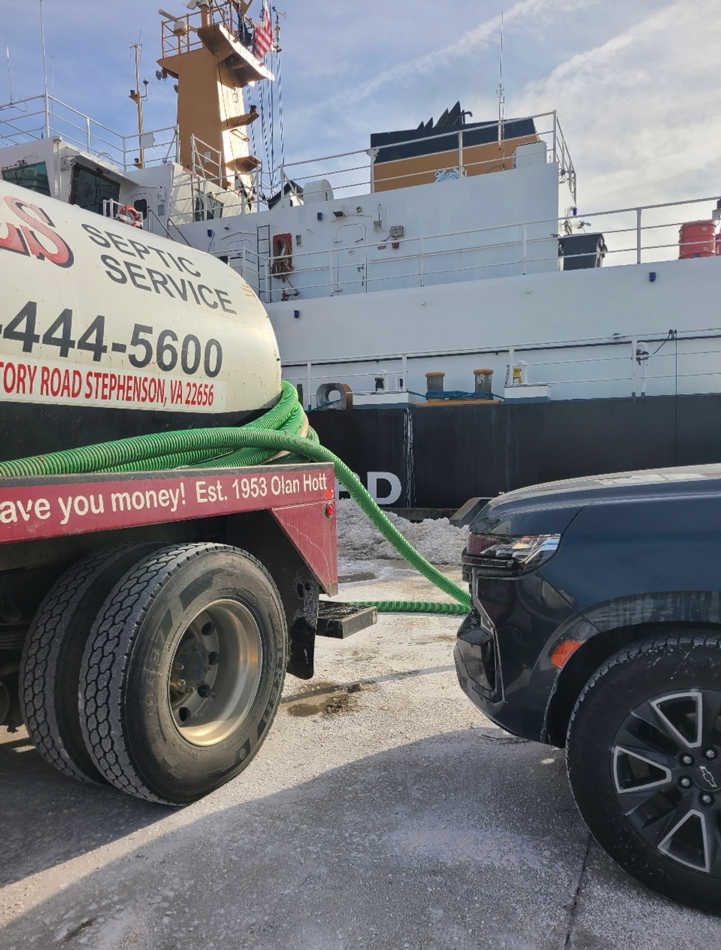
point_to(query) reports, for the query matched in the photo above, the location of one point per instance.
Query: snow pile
(436, 539)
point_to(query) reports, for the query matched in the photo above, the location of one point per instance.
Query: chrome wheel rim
(215, 674)
(666, 765)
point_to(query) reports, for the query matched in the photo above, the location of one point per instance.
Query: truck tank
(107, 331)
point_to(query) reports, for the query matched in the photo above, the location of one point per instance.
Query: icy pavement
(383, 812)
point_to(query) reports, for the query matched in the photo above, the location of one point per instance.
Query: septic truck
(159, 572)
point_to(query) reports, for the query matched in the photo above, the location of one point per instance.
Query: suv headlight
(505, 556)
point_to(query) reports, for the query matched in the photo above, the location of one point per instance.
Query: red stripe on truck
(55, 506)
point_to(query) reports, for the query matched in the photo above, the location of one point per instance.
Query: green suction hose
(413, 606)
(258, 442)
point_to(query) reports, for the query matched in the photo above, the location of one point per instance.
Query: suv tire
(644, 763)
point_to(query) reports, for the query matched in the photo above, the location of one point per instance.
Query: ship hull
(439, 457)
(575, 333)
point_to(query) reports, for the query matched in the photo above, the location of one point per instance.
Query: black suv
(596, 625)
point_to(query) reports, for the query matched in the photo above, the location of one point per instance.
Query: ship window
(90, 188)
(34, 177)
(141, 205)
(213, 208)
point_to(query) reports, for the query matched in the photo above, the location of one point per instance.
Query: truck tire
(183, 671)
(644, 762)
(53, 652)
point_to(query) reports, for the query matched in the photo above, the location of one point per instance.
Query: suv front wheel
(644, 763)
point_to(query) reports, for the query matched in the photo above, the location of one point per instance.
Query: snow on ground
(436, 539)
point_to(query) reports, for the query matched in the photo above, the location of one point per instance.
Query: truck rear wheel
(53, 652)
(183, 671)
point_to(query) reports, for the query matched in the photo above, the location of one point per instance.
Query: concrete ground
(382, 812)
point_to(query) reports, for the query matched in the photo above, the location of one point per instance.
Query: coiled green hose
(229, 447)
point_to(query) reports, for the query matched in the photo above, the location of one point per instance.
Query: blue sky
(636, 83)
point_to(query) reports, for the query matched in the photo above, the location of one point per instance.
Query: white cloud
(519, 15)
(640, 111)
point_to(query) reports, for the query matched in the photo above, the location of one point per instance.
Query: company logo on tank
(26, 238)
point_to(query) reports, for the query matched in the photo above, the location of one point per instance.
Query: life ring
(282, 251)
(129, 215)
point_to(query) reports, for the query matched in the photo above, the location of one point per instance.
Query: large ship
(443, 280)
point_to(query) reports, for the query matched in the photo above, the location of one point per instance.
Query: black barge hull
(444, 455)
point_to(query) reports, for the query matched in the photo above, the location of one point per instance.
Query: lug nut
(685, 782)
(687, 759)
(706, 798)
(710, 753)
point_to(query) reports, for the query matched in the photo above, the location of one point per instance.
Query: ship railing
(354, 173)
(661, 362)
(179, 34)
(117, 211)
(160, 146)
(206, 170)
(640, 235)
(252, 267)
(205, 161)
(45, 117)
(149, 220)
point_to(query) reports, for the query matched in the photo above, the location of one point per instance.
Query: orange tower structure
(204, 52)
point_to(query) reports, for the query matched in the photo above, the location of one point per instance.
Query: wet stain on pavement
(76, 931)
(330, 702)
(358, 576)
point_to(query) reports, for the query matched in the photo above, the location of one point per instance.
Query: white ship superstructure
(449, 248)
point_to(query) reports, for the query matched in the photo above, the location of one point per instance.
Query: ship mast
(138, 99)
(212, 54)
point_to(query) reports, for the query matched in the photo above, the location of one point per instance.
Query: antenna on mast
(501, 91)
(138, 99)
(278, 15)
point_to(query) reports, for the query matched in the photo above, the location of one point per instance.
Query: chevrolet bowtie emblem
(707, 776)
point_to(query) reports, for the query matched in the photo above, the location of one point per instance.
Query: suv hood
(550, 507)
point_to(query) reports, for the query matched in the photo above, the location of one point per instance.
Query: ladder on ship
(263, 249)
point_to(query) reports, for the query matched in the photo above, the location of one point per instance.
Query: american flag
(263, 32)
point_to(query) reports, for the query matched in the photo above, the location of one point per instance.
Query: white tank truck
(147, 618)
(109, 331)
